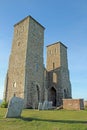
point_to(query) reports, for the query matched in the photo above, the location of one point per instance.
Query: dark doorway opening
(65, 93)
(53, 96)
(37, 93)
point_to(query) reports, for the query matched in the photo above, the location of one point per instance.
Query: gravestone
(45, 105)
(50, 105)
(40, 106)
(15, 107)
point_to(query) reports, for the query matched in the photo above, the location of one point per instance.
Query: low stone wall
(85, 103)
(73, 104)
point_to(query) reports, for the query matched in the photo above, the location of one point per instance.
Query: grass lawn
(45, 120)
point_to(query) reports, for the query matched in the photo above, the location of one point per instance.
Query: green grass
(45, 120)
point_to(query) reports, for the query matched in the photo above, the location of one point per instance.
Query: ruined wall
(85, 104)
(73, 104)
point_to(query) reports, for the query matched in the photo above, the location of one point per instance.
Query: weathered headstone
(40, 106)
(45, 105)
(50, 105)
(15, 107)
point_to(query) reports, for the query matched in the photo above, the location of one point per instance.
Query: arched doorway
(53, 96)
(38, 93)
(36, 97)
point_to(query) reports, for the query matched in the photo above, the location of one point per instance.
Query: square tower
(25, 71)
(59, 86)
(56, 56)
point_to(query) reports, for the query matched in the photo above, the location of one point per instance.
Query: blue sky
(64, 20)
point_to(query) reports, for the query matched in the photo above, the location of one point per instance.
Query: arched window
(54, 77)
(14, 88)
(19, 43)
(53, 65)
(53, 95)
(55, 50)
(65, 93)
(37, 87)
(36, 66)
(14, 84)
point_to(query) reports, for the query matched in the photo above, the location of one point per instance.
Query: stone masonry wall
(34, 78)
(59, 86)
(53, 57)
(16, 70)
(26, 76)
(73, 104)
(85, 104)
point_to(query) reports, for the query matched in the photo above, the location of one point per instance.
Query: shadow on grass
(60, 121)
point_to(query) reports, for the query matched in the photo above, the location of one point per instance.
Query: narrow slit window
(53, 65)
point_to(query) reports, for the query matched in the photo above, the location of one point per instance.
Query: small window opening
(53, 65)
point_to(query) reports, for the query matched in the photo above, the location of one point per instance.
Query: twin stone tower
(27, 77)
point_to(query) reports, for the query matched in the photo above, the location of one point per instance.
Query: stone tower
(59, 86)
(26, 72)
(26, 76)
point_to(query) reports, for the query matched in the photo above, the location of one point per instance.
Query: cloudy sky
(64, 20)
